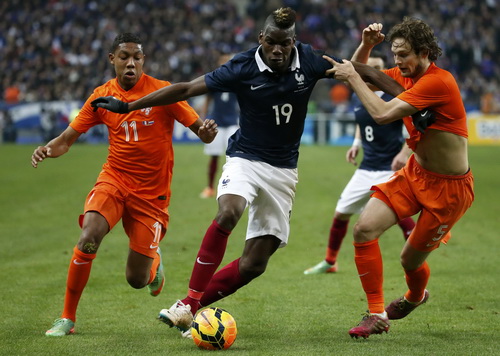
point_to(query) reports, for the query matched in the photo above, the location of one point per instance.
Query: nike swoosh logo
(257, 87)
(423, 113)
(364, 274)
(79, 263)
(153, 246)
(203, 263)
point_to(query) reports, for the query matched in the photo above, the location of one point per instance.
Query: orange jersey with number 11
(140, 142)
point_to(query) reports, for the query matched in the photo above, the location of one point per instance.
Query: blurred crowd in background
(57, 49)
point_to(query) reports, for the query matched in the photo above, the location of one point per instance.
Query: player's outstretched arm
(369, 75)
(206, 130)
(378, 78)
(56, 147)
(383, 112)
(164, 96)
(370, 37)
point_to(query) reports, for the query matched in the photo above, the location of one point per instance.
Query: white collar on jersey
(263, 67)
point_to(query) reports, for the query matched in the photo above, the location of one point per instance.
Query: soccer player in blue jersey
(384, 151)
(273, 83)
(223, 108)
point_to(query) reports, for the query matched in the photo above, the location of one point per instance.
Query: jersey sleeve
(225, 78)
(314, 59)
(87, 117)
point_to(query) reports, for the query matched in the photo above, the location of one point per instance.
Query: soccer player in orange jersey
(134, 184)
(273, 83)
(436, 181)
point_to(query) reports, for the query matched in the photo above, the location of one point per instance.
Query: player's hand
(351, 155)
(110, 103)
(398, 162)
(207, 131)
(40, 153)
(340, 71)
(372, 35)
(423, 119)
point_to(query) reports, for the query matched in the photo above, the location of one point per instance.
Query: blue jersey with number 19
(273, 106)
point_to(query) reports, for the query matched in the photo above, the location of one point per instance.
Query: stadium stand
(52, 50)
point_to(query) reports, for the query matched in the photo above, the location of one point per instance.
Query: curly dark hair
(418, 34)
(125, 38)
(283, 18)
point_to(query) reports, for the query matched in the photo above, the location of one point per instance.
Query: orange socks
(417, 281)
(370, 270)
(78, 275)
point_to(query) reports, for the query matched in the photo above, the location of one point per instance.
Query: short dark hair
(418, 34)
(125, 38)
(283, 18)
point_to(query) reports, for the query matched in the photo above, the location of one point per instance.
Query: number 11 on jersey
(133, 125)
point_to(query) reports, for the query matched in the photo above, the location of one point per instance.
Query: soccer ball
(213, 329)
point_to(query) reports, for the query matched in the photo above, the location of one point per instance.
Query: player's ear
(111, 57)
(261, 36)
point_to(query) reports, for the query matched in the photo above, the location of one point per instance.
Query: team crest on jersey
(146, 111)
(299, 78)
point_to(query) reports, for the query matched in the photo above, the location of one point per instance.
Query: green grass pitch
(283, 312)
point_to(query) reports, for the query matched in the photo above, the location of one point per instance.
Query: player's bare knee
(87, 245)
(137, 281)
(228, 217)
(90, 240)
(362, 233)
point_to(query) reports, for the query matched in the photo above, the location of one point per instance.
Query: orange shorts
(144, 221)
(441, 200)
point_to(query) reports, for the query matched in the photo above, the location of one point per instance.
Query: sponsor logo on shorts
(225, 181)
